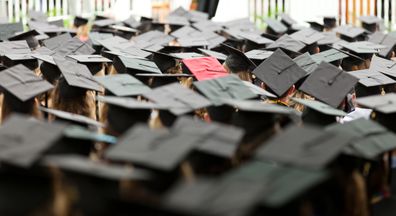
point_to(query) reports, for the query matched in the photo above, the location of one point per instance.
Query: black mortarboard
(317, 26)
(207, 25)
(48, 67)
(131, 22)
(287, 20)
(124, 31)
(240, 24)
(96, 37)
(329, 38)
(306, 62)
(256, 39)
(93, 62)
(86, 134)
(350, 33)
(186, 31)
(178, 98)
(55, 42)
(77, 75)
(125, 112)
(133, 66)
(367, 135)
(154, 37)
(24, 140)
(85, 166)
(384, 66)
(213, 39)
(318, 113)
(164, 61)
(370, 23)
(25, 59)
(122, 85)
(74, 47)
(387, 40)
(258, 56)
(256, 117)
(23, 83)
(244, 61)
(103, 23)
(363, 49)
(217, 139)
(329, 84)
(372, 83)
(228, 87)
(29, 36)
(14, 47)
(305, 147)
(330, 22)
(186, 55)
(72, 117)
(8, 30)
(308, 36)
(279, 72)
(288, 44)
(79, 21)
(153, 149)
(218, 55)
(333, 56)
(275, 27)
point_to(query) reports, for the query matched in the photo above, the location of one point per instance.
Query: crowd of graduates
(186, 116)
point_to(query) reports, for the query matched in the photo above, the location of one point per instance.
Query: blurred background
(347, 11)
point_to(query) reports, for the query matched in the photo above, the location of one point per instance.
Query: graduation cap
(280, 180)
(287, 20)
(24, 141)
(48, 67)
(77, 75)
(205, 68)
(73, 118)
(329, 22)
(179, 99)
(329, 38)
(131, 22)
(25, 59)
(218, 55)
(186, 31)
(329, 84)
(29, 36)
(383, 108)
(82, 133)
(22, 83)
(85, 166)
(125, 112)
(258, 56)
(55, 42)
(207, 25)
(14, 47)
(363, 48)
(308, 36)
(318, 113)
(256, 39)
(255, 116)
(153, 37)
(175, 22)
(213, 39)
(164, 61)
(316, 25)
(192, 43)
(275, 27)
(306, 62)
(74, 47)
(351, 33)
(370, 138)
(124, 31)
(237, 61)
(8, 30)
(387, 40)
(372, 83)
(279, 72)
(80, 21)
(93, 62)
(153, 149)
(217, 139)
(288, 44)
(384, 66)
(104, 23)
(186, 55)
(96, 37)
(135, 65)
(333, 56)
(306, 147)
(123, 85)
(258, 90)
(227, 87)
(370, 23)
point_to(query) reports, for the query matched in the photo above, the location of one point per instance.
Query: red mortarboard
(205, 68)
